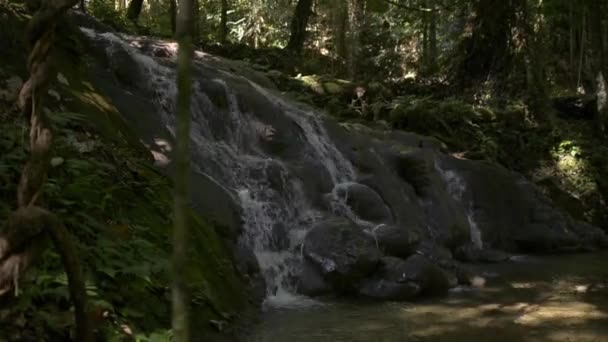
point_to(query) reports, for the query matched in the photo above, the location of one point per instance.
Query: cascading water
(271, 198)
(456, 187)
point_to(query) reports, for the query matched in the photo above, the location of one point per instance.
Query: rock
(279, 239)
(248, 267)
(364, 202)
(382, 289)
(342, 253)
(592, 237)
(400, 279)
(471, 253)
(510, 212)
(420, 270)
(217, 205)
(310, 282)
(397, 241)
(439, 255)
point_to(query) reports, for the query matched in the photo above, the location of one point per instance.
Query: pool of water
(557, 298)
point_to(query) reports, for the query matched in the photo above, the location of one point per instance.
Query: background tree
(299, 21)
(185, 38)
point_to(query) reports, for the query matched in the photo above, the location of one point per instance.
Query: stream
(548, 298)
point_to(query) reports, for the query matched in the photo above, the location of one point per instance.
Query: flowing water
(558, 298)
(235, 160)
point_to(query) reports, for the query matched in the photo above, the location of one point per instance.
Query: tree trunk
(340, 27)
(432, 38)
(173, 15)
(533, 29)
(487, 51)
(223, 34)
(599, 64)
(299, 21)
(134, 9)
(185, 31)
(355, 23)
(196, 34)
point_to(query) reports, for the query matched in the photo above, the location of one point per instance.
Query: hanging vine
(23, 236)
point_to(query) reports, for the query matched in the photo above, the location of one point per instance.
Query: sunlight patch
(566, 313)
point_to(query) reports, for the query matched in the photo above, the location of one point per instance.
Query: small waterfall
(456, 186)
(276, 212)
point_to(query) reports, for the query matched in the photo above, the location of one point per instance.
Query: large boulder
(510, 212)
(397, 241)
(363, 201)
(342, 253)
(310, 282)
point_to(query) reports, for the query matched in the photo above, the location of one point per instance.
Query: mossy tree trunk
(185, 33)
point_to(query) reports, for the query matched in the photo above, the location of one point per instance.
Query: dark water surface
(549, 298)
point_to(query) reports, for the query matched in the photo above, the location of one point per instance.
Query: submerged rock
(400, 279)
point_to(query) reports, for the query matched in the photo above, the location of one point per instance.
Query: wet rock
(248, 267)
(400, 279)
(342, 253)
(437, 254)
(217, 205)
(279, 239)
(364, 202)
(383, 289)
(310, 282)
(420, 270)
(397, 241)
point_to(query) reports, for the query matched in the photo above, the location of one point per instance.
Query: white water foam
(457, 187)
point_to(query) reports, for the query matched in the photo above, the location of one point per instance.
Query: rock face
(328, 207)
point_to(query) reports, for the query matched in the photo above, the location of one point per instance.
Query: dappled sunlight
(96, 100)
(565, 313)
(546, 299)
(523, 285)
